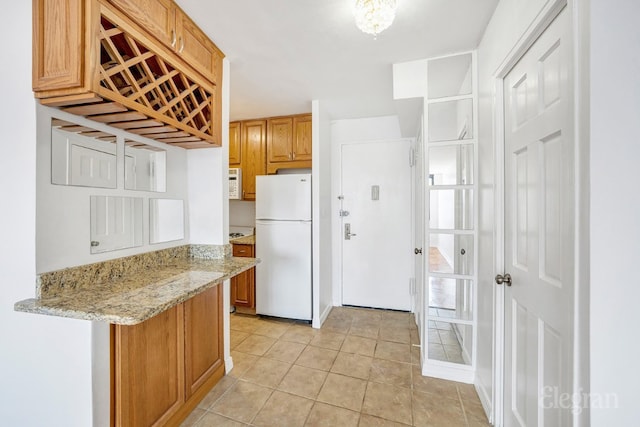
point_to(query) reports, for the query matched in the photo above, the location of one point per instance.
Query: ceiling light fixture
(374, 16)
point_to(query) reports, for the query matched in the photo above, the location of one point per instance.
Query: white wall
(207, 195)
(242, 213)
(208, 177)
(615, 209)
(348, 131)
(45, 362)
(322, 218)
(509, 22)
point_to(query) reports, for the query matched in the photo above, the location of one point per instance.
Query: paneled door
(376, 233)
(539, 232)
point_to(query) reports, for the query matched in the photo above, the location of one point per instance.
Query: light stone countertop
(136, 297)
(244, 240)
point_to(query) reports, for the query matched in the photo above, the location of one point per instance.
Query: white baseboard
(447, 372)
(485, 400)
(228, 364)
(317, 323)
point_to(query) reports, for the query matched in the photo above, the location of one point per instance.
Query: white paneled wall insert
(450, 157)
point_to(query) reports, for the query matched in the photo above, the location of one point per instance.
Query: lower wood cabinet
(164, 366)
(243, 286)
(203, 338)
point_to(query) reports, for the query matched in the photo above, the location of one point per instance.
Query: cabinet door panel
(235, 155)
(253, 155)
(57, 44)
(302, 138)
(203, 337)
(149, 369)
(280, 139)
(243, 289)
(195, 47)
(156, 16)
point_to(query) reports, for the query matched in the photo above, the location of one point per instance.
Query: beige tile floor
(360, 369)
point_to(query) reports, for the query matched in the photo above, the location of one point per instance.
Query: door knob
(506, 279)
(417, 251)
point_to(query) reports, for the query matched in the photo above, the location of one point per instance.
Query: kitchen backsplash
(242, 213)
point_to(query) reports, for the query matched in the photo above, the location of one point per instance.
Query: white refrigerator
(283, 243)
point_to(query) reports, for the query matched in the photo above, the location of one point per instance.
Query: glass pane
(449, 76)
(450, 342)
(166, 220)
(144, 167)
(116, 223)
(451, 298)
(451, 120)
(451, 253)
(82, 156)
(451, 165)
(451, 209)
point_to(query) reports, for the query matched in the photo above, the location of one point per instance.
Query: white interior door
(539, 197)
(377, 256)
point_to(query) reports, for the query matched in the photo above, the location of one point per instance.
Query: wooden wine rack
(134, 83)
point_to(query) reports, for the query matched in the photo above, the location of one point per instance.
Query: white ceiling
(285, 53)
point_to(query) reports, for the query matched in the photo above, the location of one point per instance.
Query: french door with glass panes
(451, 227)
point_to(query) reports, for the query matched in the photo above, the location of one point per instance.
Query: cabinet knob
(181, 45)
(173, 38)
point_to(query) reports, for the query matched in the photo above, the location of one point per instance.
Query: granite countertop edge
(128, 305)
(244, 240)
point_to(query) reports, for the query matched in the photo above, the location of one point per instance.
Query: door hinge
(412, 157)
(412, 286)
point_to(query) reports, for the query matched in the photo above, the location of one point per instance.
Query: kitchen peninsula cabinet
(203, 339)
(288, 143)
(164, 366)
(243, 286)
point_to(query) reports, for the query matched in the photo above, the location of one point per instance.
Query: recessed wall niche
(116, 223)
(145, 167)
(82, 156)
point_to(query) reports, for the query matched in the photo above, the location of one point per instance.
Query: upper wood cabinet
(280, 137)
(289, 143)
(196, 48)
(170, 25)
(302, 138)
(260, 147)
(254, 150)
(140, 65)
(56, 64)
(235, 153)
(156, 16)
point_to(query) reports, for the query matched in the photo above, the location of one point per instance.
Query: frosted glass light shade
(374, 16)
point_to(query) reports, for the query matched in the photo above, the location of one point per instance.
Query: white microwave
(235, 183)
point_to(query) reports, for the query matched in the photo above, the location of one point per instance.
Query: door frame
(579, 22)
